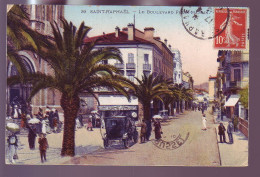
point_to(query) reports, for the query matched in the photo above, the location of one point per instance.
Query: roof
(111, 38)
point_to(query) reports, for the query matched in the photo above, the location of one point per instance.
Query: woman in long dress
(157, 129)
(204, 122)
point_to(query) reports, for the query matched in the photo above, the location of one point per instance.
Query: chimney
(148, 33)
(165, 42)
(170, 47)
(130, 30)
(117, 31)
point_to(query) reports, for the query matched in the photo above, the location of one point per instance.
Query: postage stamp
(234, 27)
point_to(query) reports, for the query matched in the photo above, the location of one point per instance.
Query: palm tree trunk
(70, 106)
(148, 119)
(178, 107)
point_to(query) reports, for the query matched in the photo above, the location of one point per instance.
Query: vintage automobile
(119, 128)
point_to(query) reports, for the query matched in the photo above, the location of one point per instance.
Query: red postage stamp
(233, 24)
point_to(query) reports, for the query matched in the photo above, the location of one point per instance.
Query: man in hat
(230, 131)
(43, 146)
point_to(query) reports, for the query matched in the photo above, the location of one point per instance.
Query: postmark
(199, 22)
(234, 34)
(171, 145)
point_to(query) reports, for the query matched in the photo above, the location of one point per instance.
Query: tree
(76, 68)
(21, 37)
(146, 90)
(244, 97)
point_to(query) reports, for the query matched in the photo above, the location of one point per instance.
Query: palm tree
(21, 37)
(148, 89)
(76, 68)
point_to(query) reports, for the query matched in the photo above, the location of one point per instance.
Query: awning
(116, 100)
(232, 101)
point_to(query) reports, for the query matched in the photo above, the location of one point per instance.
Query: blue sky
(198, 56)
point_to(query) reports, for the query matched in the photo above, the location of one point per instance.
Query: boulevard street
(200, 149)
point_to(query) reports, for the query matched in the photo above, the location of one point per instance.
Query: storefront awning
(232, 101)
(115, 100)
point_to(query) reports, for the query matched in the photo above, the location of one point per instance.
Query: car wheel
(105, 142)
(126, 143)
(135, 137)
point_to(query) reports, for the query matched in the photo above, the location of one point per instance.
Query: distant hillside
(204, 86)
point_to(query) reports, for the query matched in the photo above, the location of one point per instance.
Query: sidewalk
(235, 154)
(85, 142)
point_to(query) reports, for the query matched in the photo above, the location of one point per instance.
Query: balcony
(147, 67)
(119, 65)
(130, 66)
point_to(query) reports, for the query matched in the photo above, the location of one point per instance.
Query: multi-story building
(212, 88)
(142, 53)
(187, 80)
(40, 18)
(177, 66)
(233, 75)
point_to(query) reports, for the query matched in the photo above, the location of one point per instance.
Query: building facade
(142, 53)
(212, 88)
(40, 18)
(233, 76)
(177, 66)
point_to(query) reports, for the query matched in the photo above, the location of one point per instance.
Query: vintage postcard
(127, 85)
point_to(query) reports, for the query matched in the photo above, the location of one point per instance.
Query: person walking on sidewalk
(157, 129)
(31, 137)
(229, 131)
(204, 122)
(43, 146)
(143, 131)
(12, 147)
(221, 133)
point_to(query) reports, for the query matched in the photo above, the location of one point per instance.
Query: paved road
(200, 149)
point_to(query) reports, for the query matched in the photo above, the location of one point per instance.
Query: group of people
(222, 130)
(12, 142)
(93, 121)
(146, 132)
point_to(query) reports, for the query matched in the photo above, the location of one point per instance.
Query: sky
(199, 57)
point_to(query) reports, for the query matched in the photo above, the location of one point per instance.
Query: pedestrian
(93, 120)
(230, 131)
(55, 125)
(157, 129)
(31, 137)
(81, 120)
(90, 125)
(23, 121)
(204, 122)
(12, 142)
(235, 123)
(213, 109)
(44, 126)
(56, 115)
(43, 146)
(221, 133)
(143, 131)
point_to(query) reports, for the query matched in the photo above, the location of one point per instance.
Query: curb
(218, 147)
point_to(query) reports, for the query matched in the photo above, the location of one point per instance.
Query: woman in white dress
(204, 122)
(44, 126)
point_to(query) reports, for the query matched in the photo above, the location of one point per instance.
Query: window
(146, 58)
(130, 58)
(237, 75)
(131, 78)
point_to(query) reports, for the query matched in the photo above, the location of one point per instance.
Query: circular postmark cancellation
(171, 145)
(200, 22)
